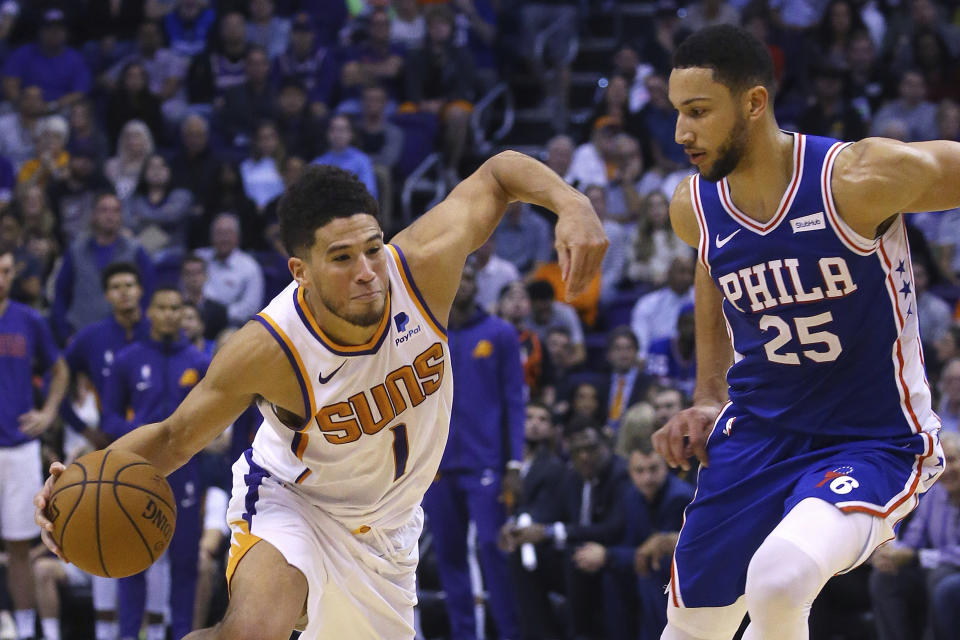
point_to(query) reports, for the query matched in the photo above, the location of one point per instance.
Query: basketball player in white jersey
(350, 367)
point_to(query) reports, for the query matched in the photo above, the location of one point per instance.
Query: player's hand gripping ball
(113, 513)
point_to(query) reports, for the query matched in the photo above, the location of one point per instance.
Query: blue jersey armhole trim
(296, 370)
(416, 290)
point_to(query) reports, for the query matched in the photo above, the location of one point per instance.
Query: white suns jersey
(378, 413)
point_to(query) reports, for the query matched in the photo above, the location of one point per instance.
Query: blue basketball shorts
(756, 476)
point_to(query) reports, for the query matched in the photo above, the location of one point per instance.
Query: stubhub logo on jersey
(400, 321)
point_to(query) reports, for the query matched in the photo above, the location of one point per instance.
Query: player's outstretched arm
(438, 243)
(686, 434)
(877, 177)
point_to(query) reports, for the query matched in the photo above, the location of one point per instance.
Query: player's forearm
(714, 353)
(529, 180)
(155, 443)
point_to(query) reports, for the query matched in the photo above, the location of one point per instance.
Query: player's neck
(127, 319)
(763, 173)
(3, 305)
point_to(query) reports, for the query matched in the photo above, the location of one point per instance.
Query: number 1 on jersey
(401, 448)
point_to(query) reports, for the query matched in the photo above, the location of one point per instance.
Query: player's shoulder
(863, 162)
(682, 216)
(26, 312)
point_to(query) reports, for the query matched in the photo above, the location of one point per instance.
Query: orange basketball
(113, 514)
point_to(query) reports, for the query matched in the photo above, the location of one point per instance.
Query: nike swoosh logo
(327, 379)
(720, 242)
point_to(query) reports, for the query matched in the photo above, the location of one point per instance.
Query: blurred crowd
(144, 145)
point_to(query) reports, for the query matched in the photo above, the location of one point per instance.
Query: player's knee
(780, 577)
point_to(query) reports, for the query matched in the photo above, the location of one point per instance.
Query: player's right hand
(40, 501)
(685, 435)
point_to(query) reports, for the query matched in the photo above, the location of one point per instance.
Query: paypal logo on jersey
(401, 320)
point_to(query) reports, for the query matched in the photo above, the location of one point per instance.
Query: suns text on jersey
(777, 282)
(345, 421)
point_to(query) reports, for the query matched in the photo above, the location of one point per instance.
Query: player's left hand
(34, 422)
(590, 557)
(40, 501)
(685, 435)
(581, 244)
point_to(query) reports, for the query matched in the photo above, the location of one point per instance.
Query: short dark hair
(192, 257)
(623, 331)
(321, 194)
(117, 268)
(541, 290)
(738, 59)
(165, 289)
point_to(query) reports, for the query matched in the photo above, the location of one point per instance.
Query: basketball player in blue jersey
(350, 368)
(811, 414)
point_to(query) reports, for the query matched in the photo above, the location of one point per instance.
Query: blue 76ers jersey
(823, 321)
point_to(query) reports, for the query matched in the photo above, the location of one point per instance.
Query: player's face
(648, 472)
(348, 269)
(711, 124)
(6, 275)
(123, 292)
(164, 313)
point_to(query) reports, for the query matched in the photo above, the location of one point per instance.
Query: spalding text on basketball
(158, 518)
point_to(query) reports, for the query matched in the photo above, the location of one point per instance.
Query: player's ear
(756, 99)
(298, 269)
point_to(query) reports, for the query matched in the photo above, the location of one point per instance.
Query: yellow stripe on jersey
(373, 342)
(241, 541)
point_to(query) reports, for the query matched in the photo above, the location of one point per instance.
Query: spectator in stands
(193, 279)
(915, 16)
(132, 99)
(948, 120)
(586, 304)
(73, 194)
(920, 573)
(266, 30)
(223, 65)
(623, 200)
(191, 322)
(39, 227)
(561, 352)
(228, 195)
(933, 313)
(440, 79)
(626, 62)
(615, 104)
(301, 132)
(165, 69)
(586, 402)
(314, 66)
(949, 388)
(667, 402)
(86, 132)
(17, 129)
(26, 343)
(514, 307)
(542, 472)
(658, 120)
(27, 286)
(408, 28)
(134, 146)
(653, 245)
(939, 66)
(195, 165)
(548, 312)
(383, 142)
(830, 113)
(247, 103)
(158, 212)
(672, 361)
(477, 30)
(589, 163)
(627, 383)
(78, 294)
(483, 459)
(261, 171)
(375, 60)
(911, 107)
(559, 154)
(343, 154)
(637, 423)
(637, 567)
(591, 511)
(706, 13)
(8, 182)
(615, 260)
(655, 314)
(234, 277)
(56, 68)
(865, 78)
(151, 377)
(493, 274)
(50, 161)
(523, 238)
(840, 20)
(188, 27)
